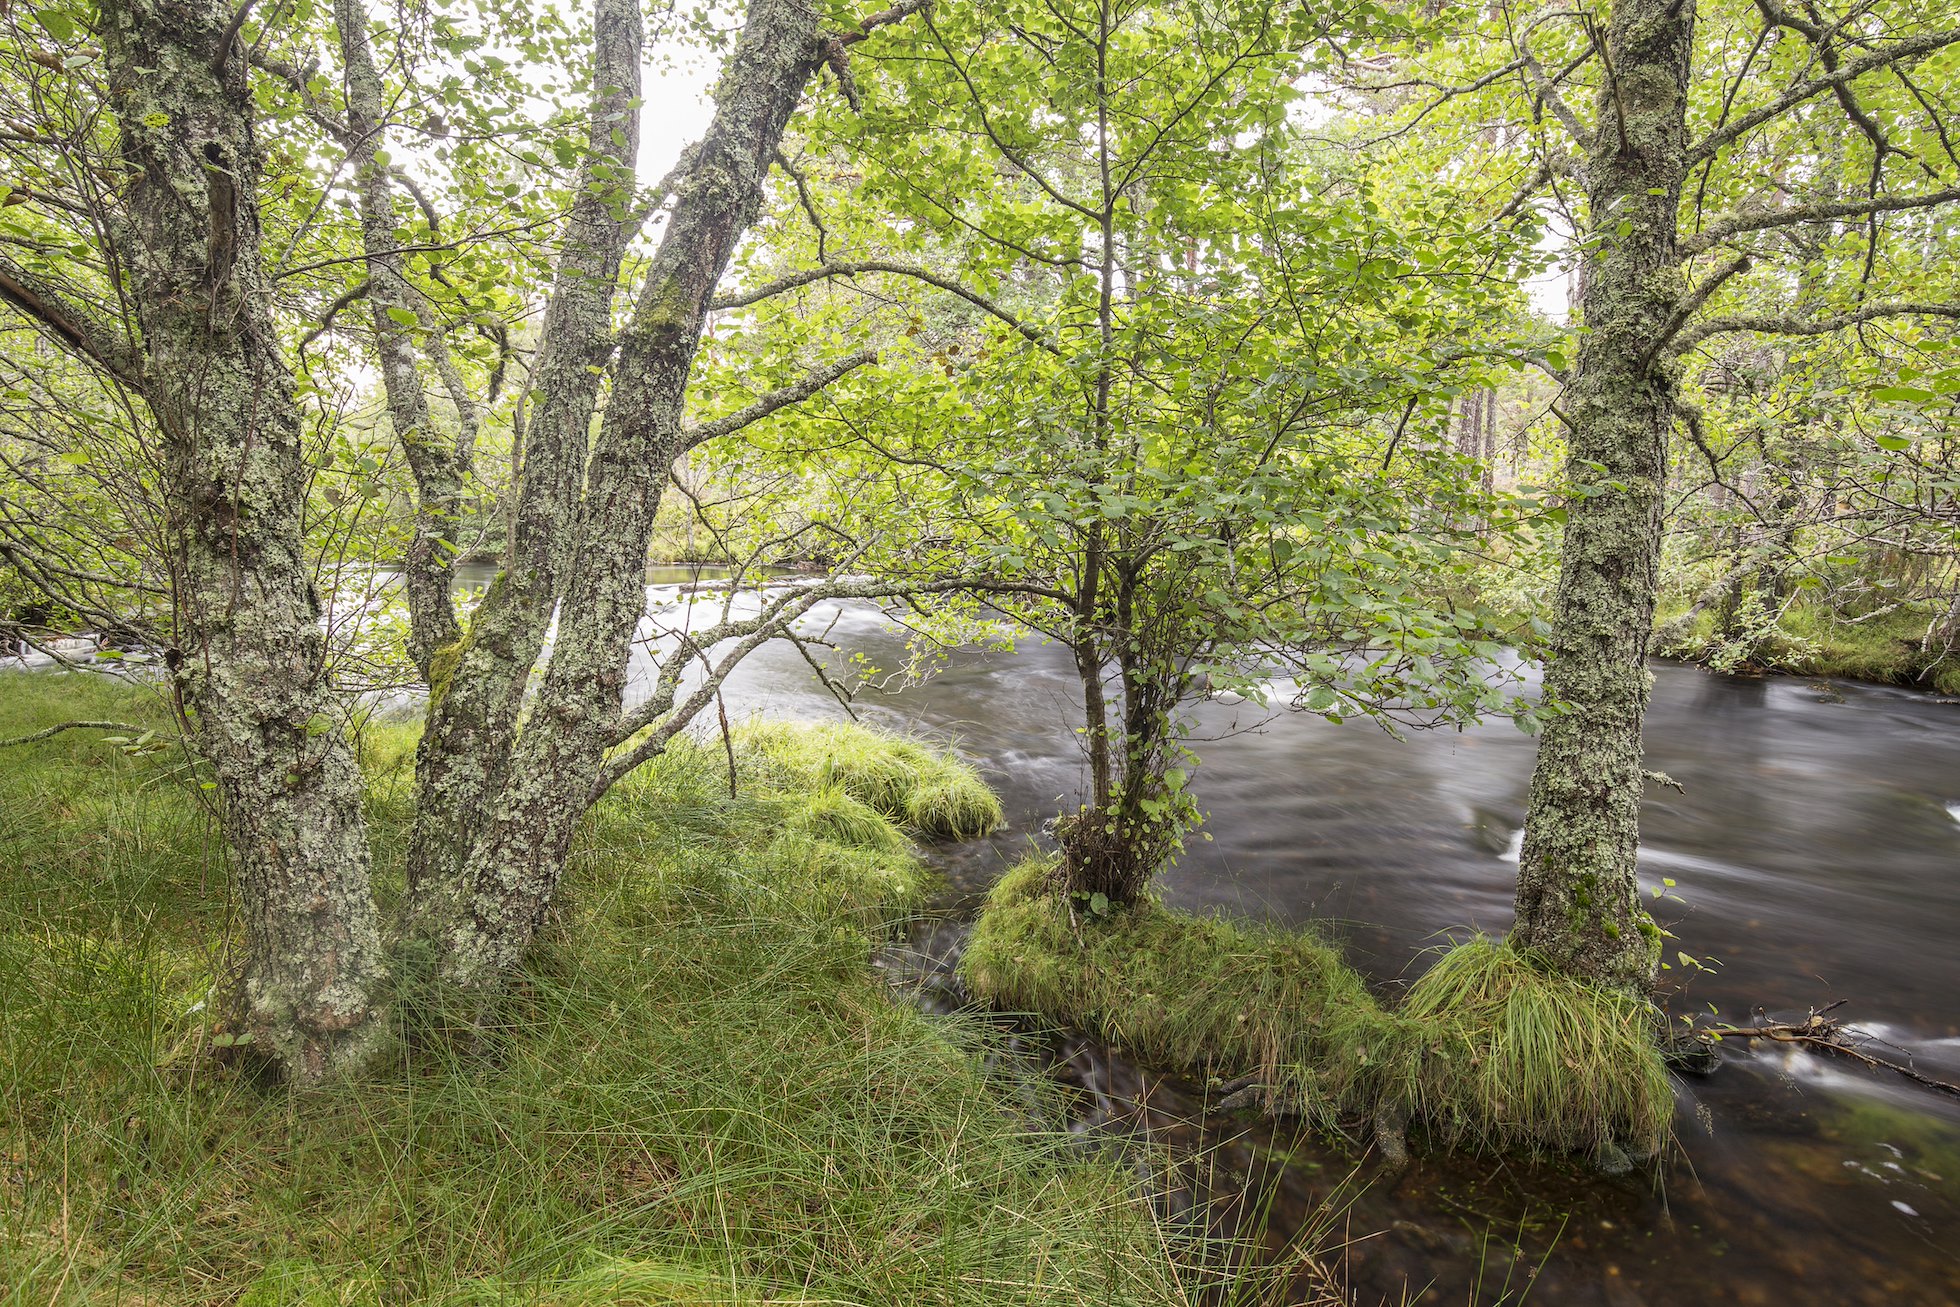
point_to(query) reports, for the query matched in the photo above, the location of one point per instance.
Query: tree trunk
(429, 566)
(478, 683)
(1578, 901)
(249, 667)
(513, 870)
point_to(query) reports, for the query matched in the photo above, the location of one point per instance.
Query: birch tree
(1659, 173)
(142, 254)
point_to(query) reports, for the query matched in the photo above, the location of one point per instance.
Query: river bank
(700, 1092)
(1889, 649)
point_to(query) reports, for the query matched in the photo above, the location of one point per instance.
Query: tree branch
(1823, 211)
(1693, 305)
(857, 267)
(69, 323)
(1847, 72)
(883, 18)
(781, 398)
(53, 731)
(1771, 325)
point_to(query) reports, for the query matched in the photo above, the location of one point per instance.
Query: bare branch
(780, 398)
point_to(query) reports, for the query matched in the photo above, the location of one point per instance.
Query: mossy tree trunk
(250, 658)
(1578, 899)
(478, 681)
(511, 873)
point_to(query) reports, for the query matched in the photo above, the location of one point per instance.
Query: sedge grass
(697, 1091)
(931, 792)
(1487, 1052)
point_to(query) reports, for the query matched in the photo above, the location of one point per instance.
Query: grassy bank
(699, 1093)
(1809, 641)
(1485, 1052)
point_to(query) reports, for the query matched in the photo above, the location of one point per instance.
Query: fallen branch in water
(1828, 1035)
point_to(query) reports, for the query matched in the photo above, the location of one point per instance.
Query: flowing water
(1815, 850)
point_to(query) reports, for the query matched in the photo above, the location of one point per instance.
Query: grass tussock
(1181, 990)
(1486, 1052)
(697, 1093)
(1520, 1058)
(928, 791)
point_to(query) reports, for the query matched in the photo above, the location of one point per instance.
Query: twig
(1823, 1033)
(53, 731)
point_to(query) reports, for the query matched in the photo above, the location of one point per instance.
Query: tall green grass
(930, 792)
(1486, 1052)
(696, 1093)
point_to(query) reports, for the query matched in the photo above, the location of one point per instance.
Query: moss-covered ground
(1486, 1051)
(697, 1092)
(1889, 649)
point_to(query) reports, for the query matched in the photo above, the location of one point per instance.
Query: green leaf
(57, 24)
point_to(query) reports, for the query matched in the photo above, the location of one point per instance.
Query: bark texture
(249, 666)
(513, 868)
(478, 681)
(1578, 900)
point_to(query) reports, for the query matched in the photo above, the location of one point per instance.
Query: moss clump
(1514, 1057)
(1487, 1052)
(1178, 990)
(934, 793)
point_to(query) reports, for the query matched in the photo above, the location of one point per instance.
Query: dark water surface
(1817, 851)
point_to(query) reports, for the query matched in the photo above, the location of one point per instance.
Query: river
(1815, 850)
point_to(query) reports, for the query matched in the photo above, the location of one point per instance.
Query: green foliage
(1486, 1052)
(1195, 385)
(698, 1092)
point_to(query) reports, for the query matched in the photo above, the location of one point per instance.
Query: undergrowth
(697, 1092)
(1890, 649)
(1486, 1051)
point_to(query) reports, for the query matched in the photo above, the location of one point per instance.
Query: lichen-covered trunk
(478, 682)
(429, 566)
(250, 658)
(1578, 899)
(513, 869)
